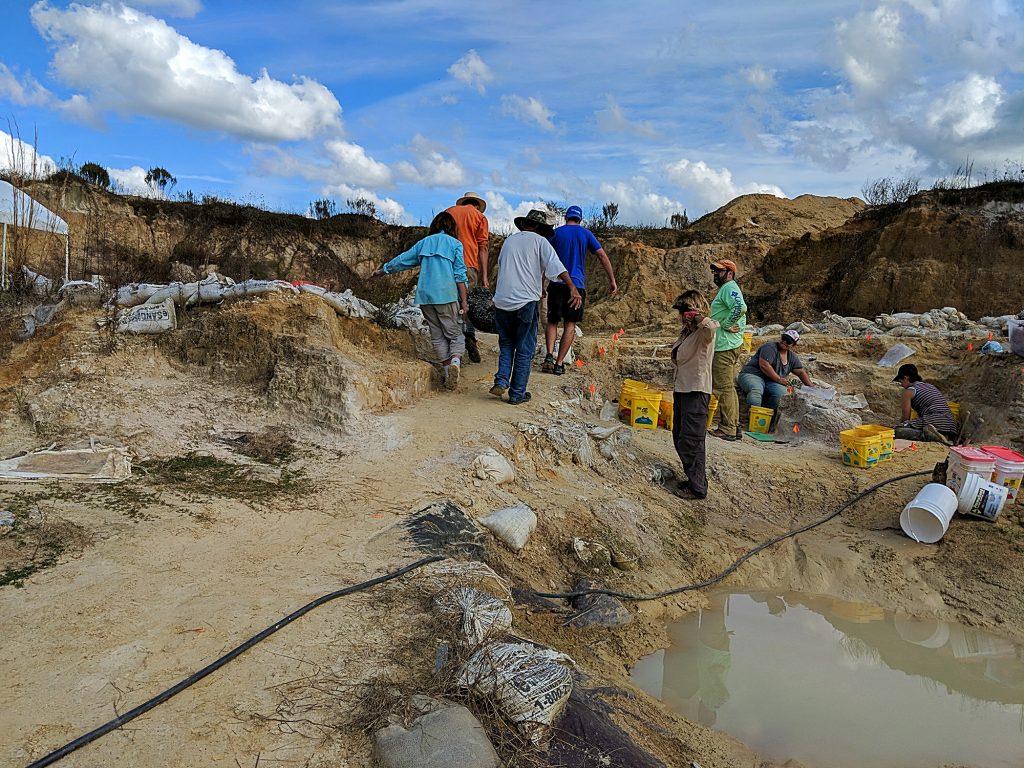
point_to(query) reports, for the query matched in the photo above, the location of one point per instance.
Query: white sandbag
(513, 525)
(529, 684)
(39, 285)
(448, 574)
(346, 303)
(148, 318)
(411, 318)
(134, 294)
(257, 288)
(1015, 330)
(491, 465)
(182, 294)
(482, 615)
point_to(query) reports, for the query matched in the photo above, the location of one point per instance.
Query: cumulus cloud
(27, 92)
(759, 77)
(639, 202)
(431, 167)
(528, 110)
(501, 214)
(133, 181)
(712, 187)
(387, 209)
(131, 62)
(873, 50)
(472, 71)
(183, 8)
(613, 120)
(968, 109)
(351, 165)
(20, 157)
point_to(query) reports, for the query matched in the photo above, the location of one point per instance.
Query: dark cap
(908, 369)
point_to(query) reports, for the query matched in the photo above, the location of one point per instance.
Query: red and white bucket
(1009, 469)
(963, 461)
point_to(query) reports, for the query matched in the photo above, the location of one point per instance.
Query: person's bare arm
(802, 375)
(769, 373)
(463, 299)
(606, 264)
(907, 397)
(575, 300)
(481, 255)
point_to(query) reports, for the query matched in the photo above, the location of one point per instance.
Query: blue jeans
(760, 391)
(517, 343)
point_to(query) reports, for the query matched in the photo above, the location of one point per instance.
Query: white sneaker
(454, 372)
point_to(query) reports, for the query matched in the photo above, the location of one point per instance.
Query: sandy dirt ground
(158, 576)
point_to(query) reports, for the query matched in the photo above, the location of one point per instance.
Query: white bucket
(1009, 471)
(926, 517)
(928, 633)
(981, 497)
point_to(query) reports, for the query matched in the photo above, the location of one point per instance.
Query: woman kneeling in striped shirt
(935, 422)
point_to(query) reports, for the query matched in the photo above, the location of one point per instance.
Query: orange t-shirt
(472, 232)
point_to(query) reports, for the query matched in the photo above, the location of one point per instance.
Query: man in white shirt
(525, 262)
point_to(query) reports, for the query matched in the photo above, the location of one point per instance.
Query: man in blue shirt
(572, 243)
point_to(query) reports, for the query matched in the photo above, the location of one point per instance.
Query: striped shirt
(931, 404)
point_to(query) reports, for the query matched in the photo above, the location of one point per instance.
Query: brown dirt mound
(942, 248)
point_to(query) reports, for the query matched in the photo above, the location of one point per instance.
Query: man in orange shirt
(468, 212)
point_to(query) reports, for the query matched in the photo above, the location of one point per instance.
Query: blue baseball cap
(574, 212)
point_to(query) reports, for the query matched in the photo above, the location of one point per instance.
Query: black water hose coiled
(739, 561)
(117, 722)
(106, 728)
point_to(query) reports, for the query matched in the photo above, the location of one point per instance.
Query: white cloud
(133, 181)
(528, 110)
(872, 47)
(710, 187)
(183, 8)
(26, 92)
(18, 156)
(472, 71)
(638, 202)
(762, 79)
(449, 99)
(387, 209)
(614, 120)
(351, 165)
(130, 62)
(501, 213)
(431, 167)
(968, 109)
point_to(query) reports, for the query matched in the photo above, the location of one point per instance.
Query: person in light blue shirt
(440, 292)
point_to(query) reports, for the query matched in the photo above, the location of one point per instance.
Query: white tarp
(19, 210)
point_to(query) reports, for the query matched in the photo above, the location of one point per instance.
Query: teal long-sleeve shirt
(441, 264)
(729, 309)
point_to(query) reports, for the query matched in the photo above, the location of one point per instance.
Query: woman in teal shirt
(440, 292)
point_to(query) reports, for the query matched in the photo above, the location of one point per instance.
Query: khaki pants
(445, 324)
(723, 386)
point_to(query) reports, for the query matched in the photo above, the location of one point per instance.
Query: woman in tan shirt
(691, 358)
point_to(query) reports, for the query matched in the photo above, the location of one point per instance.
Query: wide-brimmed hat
(728, 264)
(538, 219)
(474, 197)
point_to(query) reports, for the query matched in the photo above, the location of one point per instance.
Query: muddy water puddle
(835, 684)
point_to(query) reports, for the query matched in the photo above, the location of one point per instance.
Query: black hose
(737, 563)
(117, 722)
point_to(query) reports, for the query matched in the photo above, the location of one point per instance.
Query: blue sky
(657, 105)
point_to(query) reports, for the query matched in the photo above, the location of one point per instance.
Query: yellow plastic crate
(887, 439)
(860, 448)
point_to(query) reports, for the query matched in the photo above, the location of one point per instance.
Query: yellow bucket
(760, 418)
(748, 341)
(665, 413)
(645, 409)
(860, 449)
(630, 387)
(712, 407)
(886, 438)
